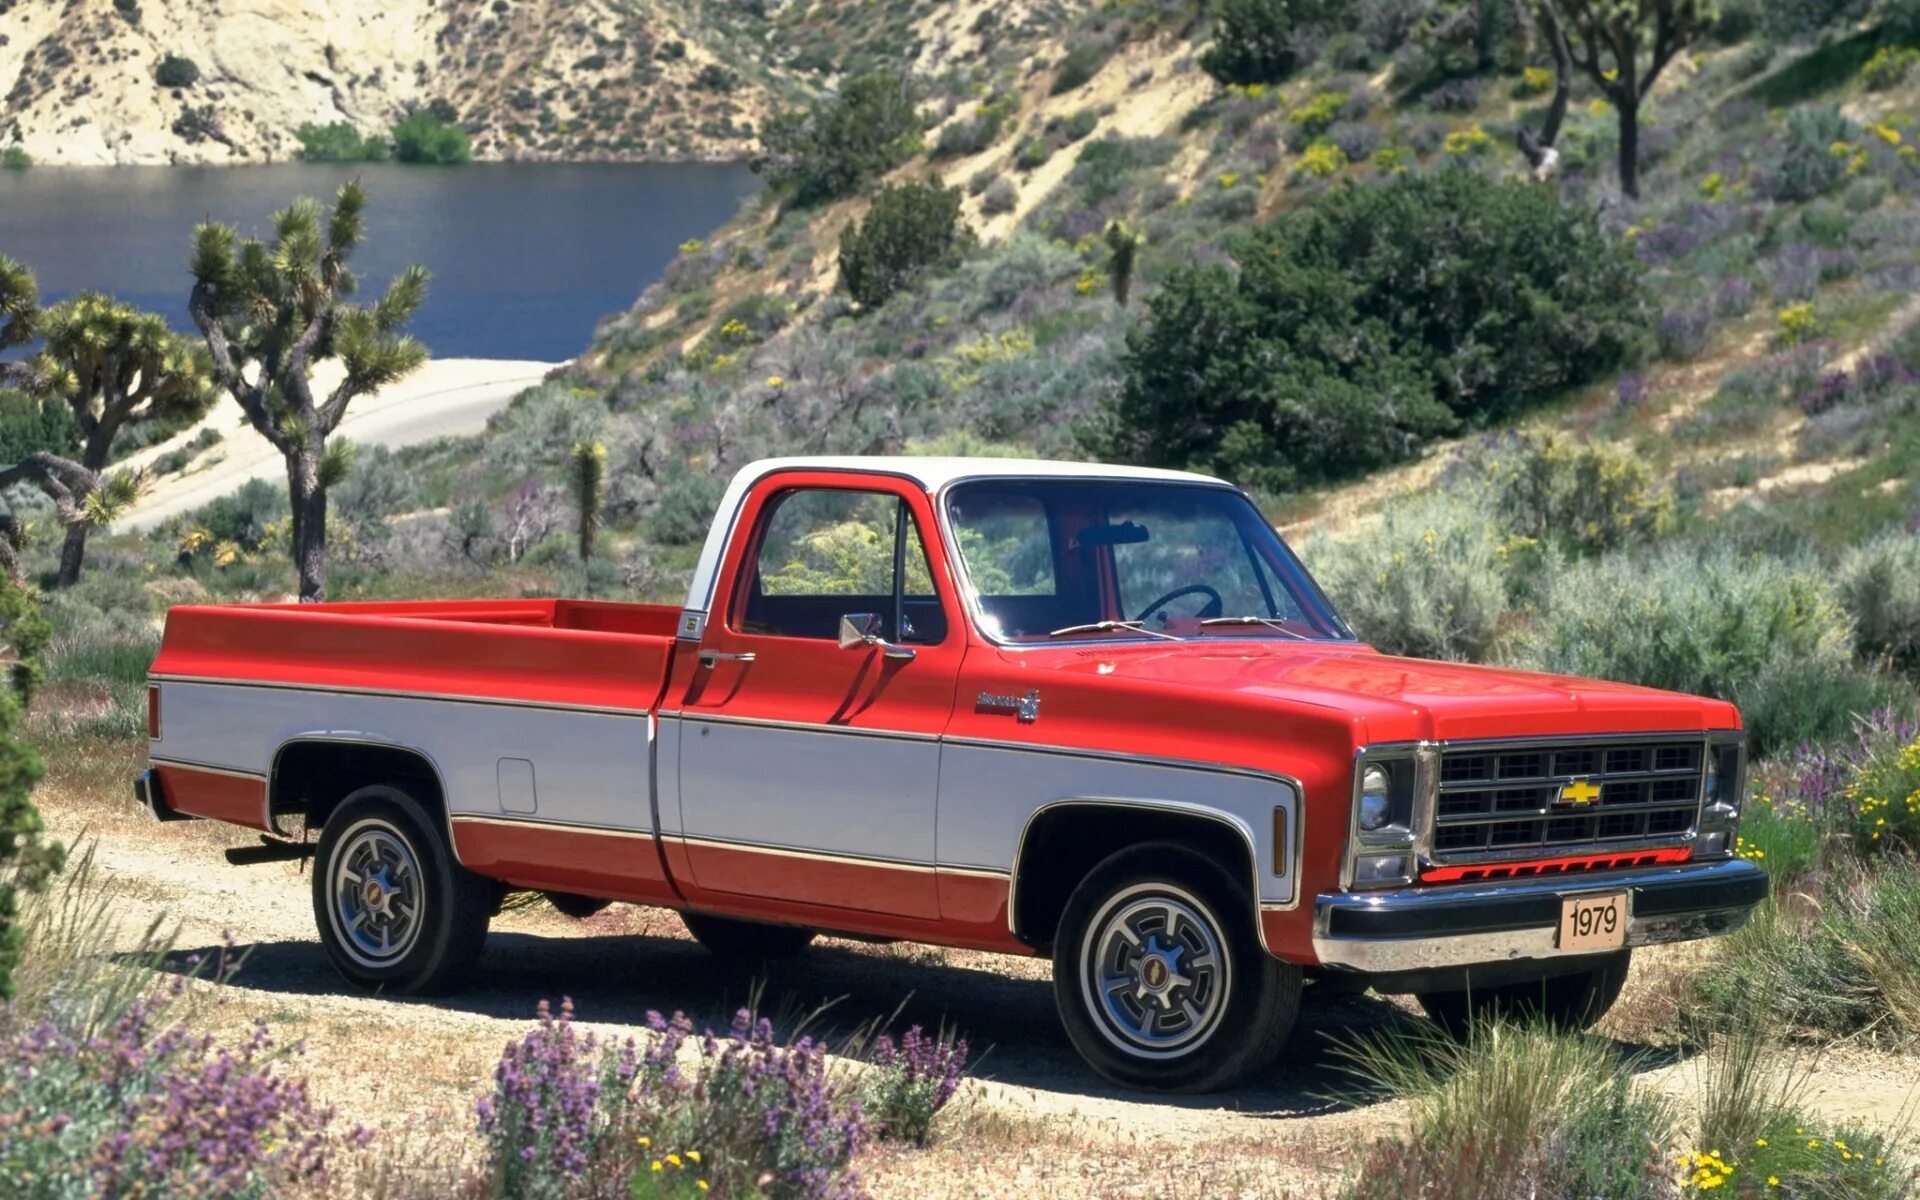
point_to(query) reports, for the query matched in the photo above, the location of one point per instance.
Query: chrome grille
(1504, 802)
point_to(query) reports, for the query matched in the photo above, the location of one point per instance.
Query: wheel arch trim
(1182, 808)
(327, 738)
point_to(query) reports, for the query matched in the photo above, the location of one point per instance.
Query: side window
(823, 553)
(1006, 539)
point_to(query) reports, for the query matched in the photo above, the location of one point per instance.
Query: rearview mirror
(863, 629)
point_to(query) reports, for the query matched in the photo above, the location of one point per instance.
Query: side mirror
(863, 629)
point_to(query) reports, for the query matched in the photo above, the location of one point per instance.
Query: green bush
(683, 508)
(427, 137)
(14, 158)
(338, 142)
(1252, 41)
(539, 429)
(176, 71)
(909, 230)
(1081, 64)
(1428, 580)
(27, 425)
(1708, 622)
(1370, 321)
(1584, 497)
(1880, 586)
(26, 862)
(1807, 166)
(831, 149)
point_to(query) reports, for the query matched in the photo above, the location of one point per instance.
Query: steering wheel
(1215, 606)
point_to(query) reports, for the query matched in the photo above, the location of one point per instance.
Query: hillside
(531, 80)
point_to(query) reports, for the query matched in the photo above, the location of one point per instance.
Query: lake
(526, 258)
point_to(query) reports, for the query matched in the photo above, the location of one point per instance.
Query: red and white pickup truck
(1097, 713)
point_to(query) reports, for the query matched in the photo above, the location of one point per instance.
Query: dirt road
(1034, 1118)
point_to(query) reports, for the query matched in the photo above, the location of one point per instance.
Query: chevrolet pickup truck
(1101, 714)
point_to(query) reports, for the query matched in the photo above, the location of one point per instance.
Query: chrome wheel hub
(1155, 971)
(377, 894)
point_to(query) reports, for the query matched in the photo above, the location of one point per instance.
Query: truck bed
(569, 653)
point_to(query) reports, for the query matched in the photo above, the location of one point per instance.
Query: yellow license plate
(1593, 922)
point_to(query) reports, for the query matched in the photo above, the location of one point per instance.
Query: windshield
(1059, 559)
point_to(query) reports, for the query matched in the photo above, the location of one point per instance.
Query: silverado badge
(1026, 707)
(1579, 793)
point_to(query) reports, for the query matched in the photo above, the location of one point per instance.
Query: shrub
(143, 1107)
(1252, 42)
(376, 486)
(1032, 153)
(1317, 115)
(908, 1084)
(909, 230)
(338, 142)
(544, 1124)
(1709, 622)
(1585, 498)
(15, 158)
(1355, 139)
(28, 424)
(26, 862)
(1000, 197)
(1515, 1111)
(1080, 65)
(247, 516)
(684, 507)
(833, 148)
(176, 71)
(1807, 166)
(1371, 320)
(1784, 20)
(1889, 67)
(537, 431)
(1880, 586)
(426, 137)
(1428, 581)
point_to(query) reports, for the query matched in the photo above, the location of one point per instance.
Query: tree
(19, 317)
(426, 136)
(1253, 41)
(1623, 45)
(113, 366)
(277, 310)
(82, 499)
(909, 230)
(589, 490)
(1539, 148)
(26, 862)
(831, 149)
(1371, 320)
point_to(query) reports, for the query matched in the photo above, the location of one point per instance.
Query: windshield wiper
(1269, 622)
(1110, 627)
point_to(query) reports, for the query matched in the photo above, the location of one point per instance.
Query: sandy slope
(446, 398)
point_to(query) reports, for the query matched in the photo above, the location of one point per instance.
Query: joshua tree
(19, 317)
(1124, 241)
(270, 312)
(114, 366)
(589, 490)
(1623, 45)
(1539, 148)
(82, 499)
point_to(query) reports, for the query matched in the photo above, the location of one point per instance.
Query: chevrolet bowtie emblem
(1579, 793)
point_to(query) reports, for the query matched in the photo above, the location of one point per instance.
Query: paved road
(446, 398)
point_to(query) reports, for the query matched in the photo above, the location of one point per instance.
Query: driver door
(808, 770)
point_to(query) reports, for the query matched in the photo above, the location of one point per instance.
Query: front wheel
(395, 912)
(1571, 1002)
(1160, 977)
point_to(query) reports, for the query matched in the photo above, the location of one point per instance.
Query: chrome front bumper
(1422, 931)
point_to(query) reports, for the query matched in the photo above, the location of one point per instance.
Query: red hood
(1401, 699)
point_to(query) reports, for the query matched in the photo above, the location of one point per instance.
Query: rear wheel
(1571, 1002)
(1160, 977)
(730, 937)
(394, 910)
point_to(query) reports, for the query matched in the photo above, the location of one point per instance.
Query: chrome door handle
(709, 657)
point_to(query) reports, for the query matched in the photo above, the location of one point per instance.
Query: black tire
(750, 941)
(1571, 1002)
(1246, 1000)
(388, 830)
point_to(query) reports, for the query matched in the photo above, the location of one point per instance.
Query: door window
(823, 553)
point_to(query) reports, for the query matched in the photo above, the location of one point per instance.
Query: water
(526, 258)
